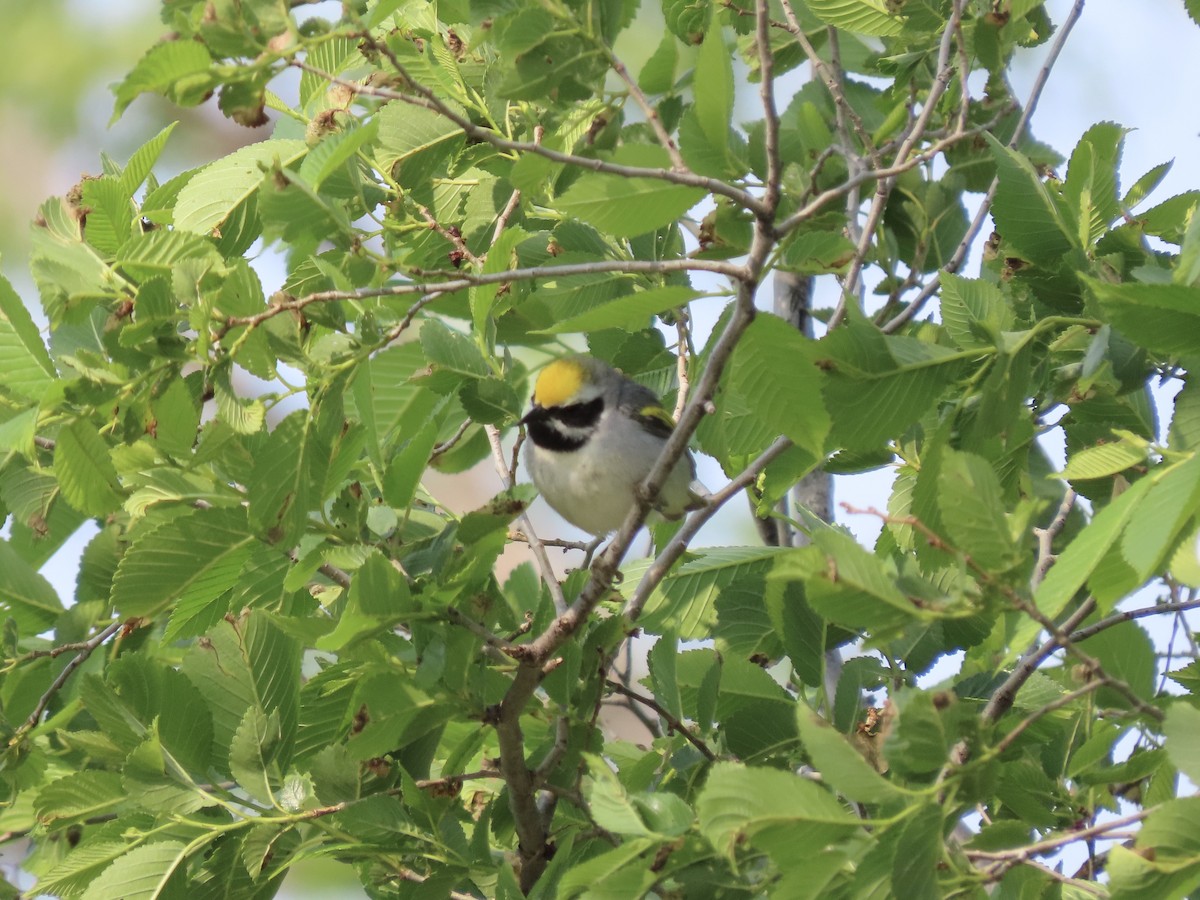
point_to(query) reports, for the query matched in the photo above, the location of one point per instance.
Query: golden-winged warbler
(594, 435)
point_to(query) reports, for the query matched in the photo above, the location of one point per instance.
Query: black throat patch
(563, 428)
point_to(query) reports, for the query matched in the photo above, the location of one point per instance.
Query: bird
(593, 435)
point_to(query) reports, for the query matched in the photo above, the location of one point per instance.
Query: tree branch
(86, 649)
(427, 99)
(673, 723)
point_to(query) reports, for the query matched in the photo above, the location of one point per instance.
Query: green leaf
(738, 802)
(841, 766)
(144, 873)
(1163, 318)
(632, 312)
(870, 17)
(918, 853)
(80, 795)
(490, 401)
(177, 69)
(974, 312)
(252, 755)
(1027, 214)
(414, 139)
(879, 384)
(771, 353)
(287, 475)
(142, 161)
(1182, 731)
(25, 594)
(335, 150)
(500, 258)
(658, 72)
(216, 190)
(712, 87)
(247, 662)
(602, 868)
(627, 207)
(685, 600)
(1156, 525)
(449, 351)
(186, 564)
(1107, 459)
(972, 506)
(661, 660)
(1079, 560)
(85, 472)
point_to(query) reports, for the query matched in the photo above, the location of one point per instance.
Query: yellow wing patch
(558, 383)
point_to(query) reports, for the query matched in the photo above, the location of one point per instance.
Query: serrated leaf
(1163, 318)
(178, 69)
(1027, 214)
(859, 16)
(287, 476)
(629, 313)
(627, 207)
(216, 190)
(141, 163)
(185, 563)
(85, 472)
(141, 874)
(1107, 459)
(252, 755)
(1078, 561)
(770, 354)
(739, 802)
(490, 401)
(685, 600)
(972, 507)
(840, 764)
(1182, 731)
(24, 362)
(80, 795)
(712, 87)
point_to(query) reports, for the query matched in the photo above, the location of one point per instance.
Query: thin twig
(648, 110)
(883, 186)
(1130, 614)
(683, 537)
(766, 91)
(426, 99)
(453, 237)
(87, 648)
(462, 281)
(449, 444)
(540, 558)
(673, 723)
(985, 207)
(1045, 539)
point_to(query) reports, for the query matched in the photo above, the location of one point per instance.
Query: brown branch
(449, 444)
(1022, 605)
(1130, 614)
(883, 185)
(1009, 858)
(457, 617)
(1045, 539)
(462, 281)
(648, 110)
(454, 237)
(86, 649)
(673, 723)
(675, 548)
(766, 91)
(960, 254)
(427, 99)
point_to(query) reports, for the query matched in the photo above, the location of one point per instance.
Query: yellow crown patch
(558, 382)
